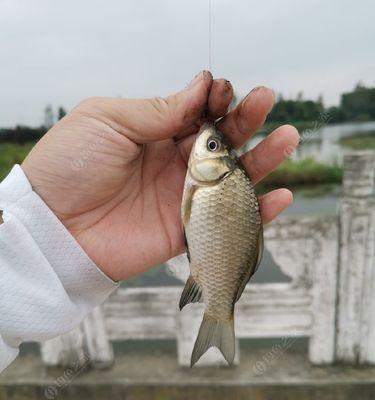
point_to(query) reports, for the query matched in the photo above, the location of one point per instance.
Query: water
(323, 145)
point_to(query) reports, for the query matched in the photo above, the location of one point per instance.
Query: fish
(223, 236)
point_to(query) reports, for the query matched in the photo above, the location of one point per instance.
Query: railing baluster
(356, 290)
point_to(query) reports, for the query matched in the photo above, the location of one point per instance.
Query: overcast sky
(60, 52)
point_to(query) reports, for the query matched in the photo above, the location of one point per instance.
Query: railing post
(98, 347)
(64, 351)
(324, 291)
(306, 250)
(355, 328)
(87, 344)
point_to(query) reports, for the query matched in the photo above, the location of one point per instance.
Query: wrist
(66, 258)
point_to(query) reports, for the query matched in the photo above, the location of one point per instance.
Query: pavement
(262, 374)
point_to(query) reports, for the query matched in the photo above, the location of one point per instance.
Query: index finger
(244, 120)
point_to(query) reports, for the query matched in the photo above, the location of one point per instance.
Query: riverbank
(292, 174)
(359, 142)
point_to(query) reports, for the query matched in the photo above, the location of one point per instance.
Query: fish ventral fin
(214, 332)
(192, 293)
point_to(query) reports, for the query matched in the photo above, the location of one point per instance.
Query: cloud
(62, 52)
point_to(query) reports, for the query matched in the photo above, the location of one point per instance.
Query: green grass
(359, 142)
(10, 154)
(305, 172)
(289, 174)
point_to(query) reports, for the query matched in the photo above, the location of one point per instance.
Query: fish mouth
(214, 182)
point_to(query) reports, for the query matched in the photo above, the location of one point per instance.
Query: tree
(320, 100)
(359, 105)
(61, 113)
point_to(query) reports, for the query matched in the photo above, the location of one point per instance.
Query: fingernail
(203, 75)
(253, 91)
(257, 88)
(197, 78)
(228, 85)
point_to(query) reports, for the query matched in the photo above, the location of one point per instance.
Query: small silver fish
(224, 238)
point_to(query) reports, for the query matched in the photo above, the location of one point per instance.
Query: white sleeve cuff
(48, 284)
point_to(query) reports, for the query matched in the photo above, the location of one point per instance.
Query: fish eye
(213, 145)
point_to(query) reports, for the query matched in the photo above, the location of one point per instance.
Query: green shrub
(10, 154)
(304, 172)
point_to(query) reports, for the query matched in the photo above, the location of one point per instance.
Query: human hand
(113, 170)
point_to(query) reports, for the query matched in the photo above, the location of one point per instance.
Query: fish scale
(220, 251)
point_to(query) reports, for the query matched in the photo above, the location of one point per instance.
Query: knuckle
(90, 102)
(161, 105)
(167, 111)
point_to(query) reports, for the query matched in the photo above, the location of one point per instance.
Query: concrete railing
(330, 297)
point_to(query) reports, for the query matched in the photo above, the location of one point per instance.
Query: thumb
(148, 120)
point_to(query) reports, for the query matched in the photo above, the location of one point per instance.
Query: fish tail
(214, 332)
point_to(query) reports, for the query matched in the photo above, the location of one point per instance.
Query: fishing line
(209, 34)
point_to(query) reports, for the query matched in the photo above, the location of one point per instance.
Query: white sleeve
(48, 284)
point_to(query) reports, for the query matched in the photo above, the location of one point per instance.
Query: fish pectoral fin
(260, 249)
(213, 332)
(187, 201)
(251, 271)
(187, 247)
(192, 293)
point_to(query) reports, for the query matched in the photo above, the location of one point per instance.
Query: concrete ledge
(260, 375)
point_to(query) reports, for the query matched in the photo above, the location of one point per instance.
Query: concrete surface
(262, 374)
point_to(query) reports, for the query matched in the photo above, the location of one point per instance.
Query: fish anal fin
(192, 293)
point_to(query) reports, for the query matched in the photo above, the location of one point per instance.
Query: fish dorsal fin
(250, 272)
(192, 293)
